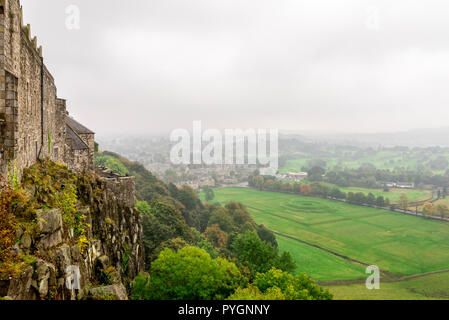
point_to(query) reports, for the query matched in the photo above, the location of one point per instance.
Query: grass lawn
(318, 264)
(433, 287)
(400, 244)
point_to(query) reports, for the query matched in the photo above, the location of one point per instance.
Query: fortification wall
(31, 116)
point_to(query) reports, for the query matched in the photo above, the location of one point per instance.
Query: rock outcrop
(98, 265)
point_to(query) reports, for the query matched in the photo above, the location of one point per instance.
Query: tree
(162, 223)
(188, 197)
(428, 209)
(171, 175)
(222, 218)
(292, 287)
(259, 256)
(371, 199)
(253, 293)
(238, 213)
(267, 236)
(306, 189)
(440, 163)
(404, 202)
(380, 201)
(191, 274)
(173, 244)
(141, 287)
(316, 173)
(209, 193)
(216, 236)
(259, 182)
(442, 210)
(143, 206)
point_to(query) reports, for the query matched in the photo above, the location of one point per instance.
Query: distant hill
(411, 138)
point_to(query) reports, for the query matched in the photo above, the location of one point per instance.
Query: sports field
(398, 244)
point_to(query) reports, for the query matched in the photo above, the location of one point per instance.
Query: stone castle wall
(32, 118)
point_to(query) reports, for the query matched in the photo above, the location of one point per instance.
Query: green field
(382, 160)
(399, 244)
(318, 264)
(394, 195)
(432, 287)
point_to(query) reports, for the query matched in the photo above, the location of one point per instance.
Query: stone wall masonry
(26, 84)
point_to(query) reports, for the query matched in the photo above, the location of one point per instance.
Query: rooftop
(77, 127)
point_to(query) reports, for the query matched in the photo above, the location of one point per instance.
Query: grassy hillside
(400, 244)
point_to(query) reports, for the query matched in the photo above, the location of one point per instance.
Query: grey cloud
(314, 65)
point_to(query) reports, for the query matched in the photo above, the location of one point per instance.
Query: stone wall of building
(89, 140)
(76, 160)
(32, 118)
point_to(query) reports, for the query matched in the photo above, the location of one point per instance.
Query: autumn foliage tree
(306, 189)
(216, 236)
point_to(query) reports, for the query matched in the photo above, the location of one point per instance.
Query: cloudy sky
(147, 66)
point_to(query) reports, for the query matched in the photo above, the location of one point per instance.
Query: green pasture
(399, 244)
(432, 287)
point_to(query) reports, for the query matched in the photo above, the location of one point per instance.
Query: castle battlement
(34, 122)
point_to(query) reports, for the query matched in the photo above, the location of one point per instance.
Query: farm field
(432, 287)
(382, 160)
(399, 244)
(394, 195)
(318, 264)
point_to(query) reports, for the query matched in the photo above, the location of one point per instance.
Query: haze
(150, 66)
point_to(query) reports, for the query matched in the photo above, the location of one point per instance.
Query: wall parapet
(123, 188)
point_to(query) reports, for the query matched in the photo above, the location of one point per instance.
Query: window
(56, 153)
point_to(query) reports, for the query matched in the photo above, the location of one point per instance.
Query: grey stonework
(32, 118)
(114, 232)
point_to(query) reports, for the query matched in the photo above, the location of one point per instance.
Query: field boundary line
(328, 251)
(405, 278)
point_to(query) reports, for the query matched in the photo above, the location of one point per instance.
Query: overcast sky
(305, 65)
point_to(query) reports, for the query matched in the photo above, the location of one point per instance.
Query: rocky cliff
(75, 236)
